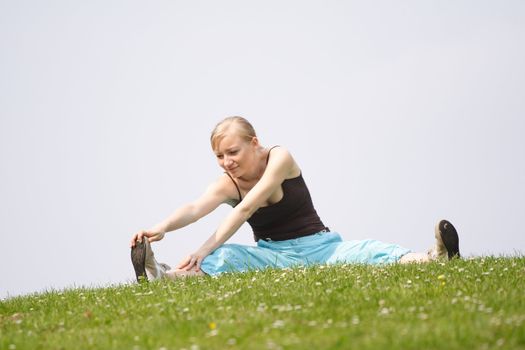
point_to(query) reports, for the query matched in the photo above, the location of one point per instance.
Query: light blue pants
(319, 248)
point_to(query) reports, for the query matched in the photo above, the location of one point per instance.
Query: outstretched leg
(178, 273)
(414, 258)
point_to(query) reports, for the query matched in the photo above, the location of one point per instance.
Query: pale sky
(399, 114)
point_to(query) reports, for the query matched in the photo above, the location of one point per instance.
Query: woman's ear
(255, 141)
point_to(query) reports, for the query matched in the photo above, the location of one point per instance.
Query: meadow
(476, 303)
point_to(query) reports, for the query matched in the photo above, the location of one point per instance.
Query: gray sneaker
(447, 241)
(144, 263)
(138, 259)
(154, 269)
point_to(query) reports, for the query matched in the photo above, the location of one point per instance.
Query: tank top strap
(236, 186)
(235, 183)
(268, 157)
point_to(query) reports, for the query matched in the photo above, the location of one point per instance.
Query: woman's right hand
(150, 235)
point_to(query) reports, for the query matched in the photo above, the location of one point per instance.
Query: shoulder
(224, 187)
(281, 157)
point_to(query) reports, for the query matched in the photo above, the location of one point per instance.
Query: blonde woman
(265, 187)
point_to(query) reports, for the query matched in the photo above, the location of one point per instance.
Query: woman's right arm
(221, 191)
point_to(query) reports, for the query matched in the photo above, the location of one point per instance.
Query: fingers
(199, 262)
(193, 263)
(133, 240)
(137, 237)
(189, 263)
(184, 263)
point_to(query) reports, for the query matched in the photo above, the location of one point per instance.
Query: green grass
(462, 304)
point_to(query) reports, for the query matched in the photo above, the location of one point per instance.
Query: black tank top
(293, 216)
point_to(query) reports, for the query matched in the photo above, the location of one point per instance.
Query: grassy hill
(463, 304)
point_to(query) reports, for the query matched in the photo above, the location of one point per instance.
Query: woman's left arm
(279, 167)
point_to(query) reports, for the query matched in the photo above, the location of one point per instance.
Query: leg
(178, 273)
(414, 258)
(367, 251)
(239, 258)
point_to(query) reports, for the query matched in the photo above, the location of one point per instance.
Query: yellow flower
(441, 277)
(212, 325)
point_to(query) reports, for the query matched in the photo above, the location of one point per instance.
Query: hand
(151, 236)
(192, 261)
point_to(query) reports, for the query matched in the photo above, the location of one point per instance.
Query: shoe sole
(450, 238)
(138, 259)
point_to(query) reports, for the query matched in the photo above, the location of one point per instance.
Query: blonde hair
(239, 125)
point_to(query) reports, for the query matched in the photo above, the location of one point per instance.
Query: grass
(463, 304)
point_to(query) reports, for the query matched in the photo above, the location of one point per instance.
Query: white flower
(384, 311)
(278, 324)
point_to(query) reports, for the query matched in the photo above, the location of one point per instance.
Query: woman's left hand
(192, 261)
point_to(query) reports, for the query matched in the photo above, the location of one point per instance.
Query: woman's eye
(220, 156)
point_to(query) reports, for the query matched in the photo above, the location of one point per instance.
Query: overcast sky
(399, 114)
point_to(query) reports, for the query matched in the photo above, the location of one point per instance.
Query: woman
(265, 187)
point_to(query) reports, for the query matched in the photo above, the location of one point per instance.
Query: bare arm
(217, 193)
(191, 212)
(278, 169)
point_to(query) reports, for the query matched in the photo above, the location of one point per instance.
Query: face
(235, 155)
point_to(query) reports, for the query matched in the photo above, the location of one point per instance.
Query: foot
(447, 241)
(154, 269)
(138, 259)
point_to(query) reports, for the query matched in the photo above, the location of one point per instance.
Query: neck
(259, 166)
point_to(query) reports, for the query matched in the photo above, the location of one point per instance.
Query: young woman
(265, 187)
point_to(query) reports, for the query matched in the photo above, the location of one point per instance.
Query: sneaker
(154, 269)
(447, 241)
(138, 259)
